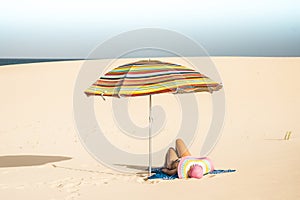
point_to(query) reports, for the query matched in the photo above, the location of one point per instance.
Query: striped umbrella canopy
(148, 77)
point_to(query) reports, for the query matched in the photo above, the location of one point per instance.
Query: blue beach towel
(161, 175)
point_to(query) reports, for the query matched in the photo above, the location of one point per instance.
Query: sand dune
(42, 156)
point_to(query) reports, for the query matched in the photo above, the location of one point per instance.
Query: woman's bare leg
(171, 156)
(181, 149)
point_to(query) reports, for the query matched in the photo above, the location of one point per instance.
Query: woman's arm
(170, 172)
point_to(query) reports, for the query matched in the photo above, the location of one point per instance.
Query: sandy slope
(262, 103)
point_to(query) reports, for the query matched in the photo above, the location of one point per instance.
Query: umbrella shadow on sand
(29, 160)
(136, 167)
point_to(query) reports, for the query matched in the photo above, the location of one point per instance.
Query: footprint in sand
(60, 183)
(72, 190)
(69, 185)
(72, 187)
(20, 187)
(3, 186)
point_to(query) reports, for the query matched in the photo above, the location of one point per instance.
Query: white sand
(262, 103)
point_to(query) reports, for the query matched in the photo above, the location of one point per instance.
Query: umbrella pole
(150, 138)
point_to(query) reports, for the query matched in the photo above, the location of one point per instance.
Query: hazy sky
(72, 28)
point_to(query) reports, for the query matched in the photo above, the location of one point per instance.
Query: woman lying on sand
(180, 161)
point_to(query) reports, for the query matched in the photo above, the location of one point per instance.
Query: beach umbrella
(148, 77)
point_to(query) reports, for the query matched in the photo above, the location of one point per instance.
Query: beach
(42, 156)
